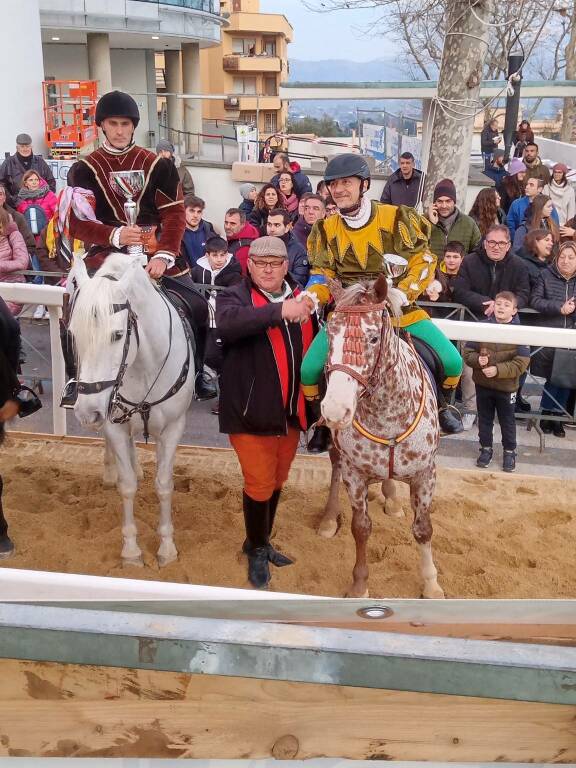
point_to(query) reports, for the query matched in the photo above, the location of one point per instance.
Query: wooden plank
(55, 710)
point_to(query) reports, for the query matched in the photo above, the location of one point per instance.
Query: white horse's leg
(392, 505)
(331, 517)
(120, 442)
(166, 444)
(357, 488)
(110, 475)
(134, 458)
(421, 492)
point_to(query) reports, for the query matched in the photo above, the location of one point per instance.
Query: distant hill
(344, 71)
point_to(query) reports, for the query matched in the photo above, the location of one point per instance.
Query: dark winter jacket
(401, 191)
(251, 399)
(23, 228)
(508, 189)
(194, 242)
(9, 354)
(12, 170)
(550, 293)
(487, 143)
(298, 264)
(239, 244)
(534, 266)
(480, 279)
(511, 360)
(259, 219)
(496, 173)
(246, 206)
(301, 181)
(301, 230)
(229, 275)
(464, 230)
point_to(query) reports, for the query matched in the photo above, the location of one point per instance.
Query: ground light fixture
(56, 39)
(155, 37)
(375, 612)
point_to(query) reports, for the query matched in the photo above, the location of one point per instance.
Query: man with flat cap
(265, 328)
(15, 166)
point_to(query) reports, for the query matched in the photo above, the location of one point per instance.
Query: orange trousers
(265, 461)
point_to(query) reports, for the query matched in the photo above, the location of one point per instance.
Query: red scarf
(276, 338)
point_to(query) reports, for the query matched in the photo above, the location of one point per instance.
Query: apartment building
(248, 66)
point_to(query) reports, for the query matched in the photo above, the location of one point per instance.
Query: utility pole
(568, 131)
(465, 48)
(515, 61)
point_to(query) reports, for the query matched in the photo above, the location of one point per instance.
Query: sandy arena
(495, 536)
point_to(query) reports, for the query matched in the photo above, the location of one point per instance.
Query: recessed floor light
(375, 612)
(56, 39)
(155, 37)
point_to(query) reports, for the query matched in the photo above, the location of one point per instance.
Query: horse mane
(355, 293)
(92, 321)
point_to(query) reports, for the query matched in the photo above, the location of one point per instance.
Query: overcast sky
(329, 36)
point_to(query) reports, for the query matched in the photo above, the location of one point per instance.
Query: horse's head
(356, 335)
(103, 312)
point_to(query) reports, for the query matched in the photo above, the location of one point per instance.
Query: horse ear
(381, 287)
(79, 272)
(335, 288)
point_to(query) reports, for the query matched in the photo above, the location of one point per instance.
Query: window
(246, 85)
(270, 122)
(244, 46)
(248, 118)
(270, 87)
(269, 46)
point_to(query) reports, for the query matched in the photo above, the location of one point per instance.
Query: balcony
(190, 20)
(239, 103)
(266, 23)
(240, 63)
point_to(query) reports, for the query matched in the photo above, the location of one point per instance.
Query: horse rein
(126, 408)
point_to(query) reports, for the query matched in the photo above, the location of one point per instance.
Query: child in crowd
(249, 194)
(217, 268)
(198, 231)
(497, 370)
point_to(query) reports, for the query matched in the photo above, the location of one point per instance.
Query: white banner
(374, 141)
(392, 154)
(60, 170)
(413, 144)
(247, 138)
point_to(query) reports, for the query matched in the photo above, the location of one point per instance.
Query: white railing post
(51, 296)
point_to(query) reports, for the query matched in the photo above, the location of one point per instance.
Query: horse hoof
(164, 561)
(393, 508)
(357, 594)
(328, 529)
(433, 593)
(135, 561)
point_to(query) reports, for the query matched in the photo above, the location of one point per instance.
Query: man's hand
(483, 361)
(432, 213)
(295, 311)
(489, 308)
(156, 268)
(490, 372)
(130, 236)
(9, 410)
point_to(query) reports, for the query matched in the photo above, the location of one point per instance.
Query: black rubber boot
(320, 440)
(275, 557)
(6, 544)
(205, 387)
(70, 391)
(257, 523)
(448, 415)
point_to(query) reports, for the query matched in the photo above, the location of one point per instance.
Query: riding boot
(70, 392)
(6, 544)
(205, 387)
(448, 416)
(275, 557)
(256, 521)
(320, 440)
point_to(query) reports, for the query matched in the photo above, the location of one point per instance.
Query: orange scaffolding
(69, 116)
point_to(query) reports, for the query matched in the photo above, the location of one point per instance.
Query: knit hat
(23, 138)
(445, 188)
(164, 146)
(560, 167)
(516, 166)
(268, 246)
(246, 189)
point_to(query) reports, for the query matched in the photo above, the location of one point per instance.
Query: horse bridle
(118, 403)
(367, 383)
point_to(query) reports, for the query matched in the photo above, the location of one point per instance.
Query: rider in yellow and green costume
(350, 246)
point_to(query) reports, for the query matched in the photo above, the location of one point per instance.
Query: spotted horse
(380, 405)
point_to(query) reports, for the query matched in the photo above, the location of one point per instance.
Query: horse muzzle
(337, 413)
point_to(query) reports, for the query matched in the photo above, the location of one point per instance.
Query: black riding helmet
(350, 164)
(117, 104)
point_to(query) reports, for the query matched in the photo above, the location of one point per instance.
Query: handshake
(297, 310)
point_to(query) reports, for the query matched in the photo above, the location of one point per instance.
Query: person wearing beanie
(249, 193)
(511, 187)
(166, 149)
(266, 328)
(23, 160)
(496, 170)
(448, 223)
(561, 193)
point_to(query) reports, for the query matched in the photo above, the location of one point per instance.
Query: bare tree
(568, 130)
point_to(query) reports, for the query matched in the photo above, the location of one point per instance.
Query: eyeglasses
(497, 243)
(267, 264)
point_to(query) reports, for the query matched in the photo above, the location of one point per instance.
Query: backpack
(36, 218)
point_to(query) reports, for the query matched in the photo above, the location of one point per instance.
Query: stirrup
(69, 394)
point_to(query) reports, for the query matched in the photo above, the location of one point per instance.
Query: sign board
(60, 170)
(247, 138)
(413, 144)
(374, 141)
(392, 144)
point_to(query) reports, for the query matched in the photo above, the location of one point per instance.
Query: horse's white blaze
(339, 403)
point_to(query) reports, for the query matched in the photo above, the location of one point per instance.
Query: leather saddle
(431, 360)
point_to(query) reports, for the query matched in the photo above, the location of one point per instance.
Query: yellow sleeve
(411, 238)
(321, 263)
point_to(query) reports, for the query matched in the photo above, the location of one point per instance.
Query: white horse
(136, 370)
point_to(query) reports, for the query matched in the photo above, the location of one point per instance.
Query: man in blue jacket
(517, 212)
(280, 225)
